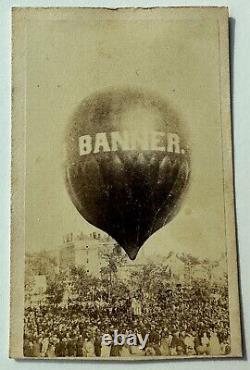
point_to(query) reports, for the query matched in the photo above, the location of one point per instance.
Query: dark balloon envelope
(128, 164)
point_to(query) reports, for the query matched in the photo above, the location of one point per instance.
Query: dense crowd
(181, 320)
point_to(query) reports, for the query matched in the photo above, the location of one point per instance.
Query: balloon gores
(127, 164)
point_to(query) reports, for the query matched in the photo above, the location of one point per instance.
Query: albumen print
(123, 230)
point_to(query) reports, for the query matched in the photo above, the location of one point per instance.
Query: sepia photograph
(123, 241)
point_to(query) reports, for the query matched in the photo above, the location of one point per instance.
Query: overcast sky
(69, 60)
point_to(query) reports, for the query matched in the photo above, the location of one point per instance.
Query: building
(84, 251)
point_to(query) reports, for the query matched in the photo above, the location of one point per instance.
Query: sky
(68, 60)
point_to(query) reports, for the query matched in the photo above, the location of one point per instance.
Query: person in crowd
(189, 344)
(165, 343)
(79, 346)
(215, 348)
(98, 344)
(204, 349)
(45, 345)
(89, 345)
(51, 350)
(180, 321)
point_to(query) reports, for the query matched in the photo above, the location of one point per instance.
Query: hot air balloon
(127, 164)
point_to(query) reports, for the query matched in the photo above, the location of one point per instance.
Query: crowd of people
(180, 319)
